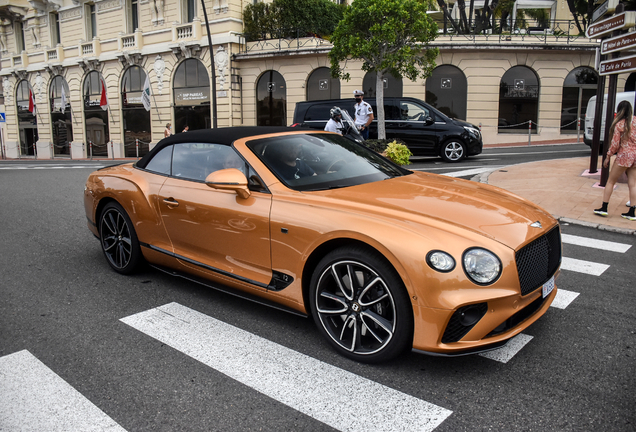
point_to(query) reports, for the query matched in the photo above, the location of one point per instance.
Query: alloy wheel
(116, 238)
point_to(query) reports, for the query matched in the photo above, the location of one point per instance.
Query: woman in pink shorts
(623, 133)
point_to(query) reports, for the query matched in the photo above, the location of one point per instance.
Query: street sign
(608, 7)
(618, 43)
(3, 117)
(617, 22)
(615, 66)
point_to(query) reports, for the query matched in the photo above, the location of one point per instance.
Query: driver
(335, 122)
(287, 163)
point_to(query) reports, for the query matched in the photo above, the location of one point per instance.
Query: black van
(425, 130)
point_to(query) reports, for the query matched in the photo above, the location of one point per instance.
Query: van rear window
(318, 112)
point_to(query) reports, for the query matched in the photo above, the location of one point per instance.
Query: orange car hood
(448, 203)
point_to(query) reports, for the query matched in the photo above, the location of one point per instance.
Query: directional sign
(618, 43)
(617, 22)
(608, 7)
(621, 65)
(3, 117)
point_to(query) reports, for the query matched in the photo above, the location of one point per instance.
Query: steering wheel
(332, 164)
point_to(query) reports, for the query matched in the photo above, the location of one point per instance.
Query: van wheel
(453, 150)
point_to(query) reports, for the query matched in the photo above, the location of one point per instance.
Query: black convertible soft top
(216, 136)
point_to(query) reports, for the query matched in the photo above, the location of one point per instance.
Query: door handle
(171, 202)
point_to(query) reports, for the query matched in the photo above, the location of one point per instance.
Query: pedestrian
(167, 131)
(364, 114)
(186, 128)
(335, 122)
(623, 133)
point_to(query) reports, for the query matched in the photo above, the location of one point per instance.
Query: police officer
(335, 122)
(364, 114)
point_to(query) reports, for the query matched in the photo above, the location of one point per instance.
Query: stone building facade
(57, 54)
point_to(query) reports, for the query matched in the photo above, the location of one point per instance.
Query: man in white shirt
(364, 114)
(335, 122)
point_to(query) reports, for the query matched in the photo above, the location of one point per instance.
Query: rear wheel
(453, 150)
(361, 305)
(118, 239)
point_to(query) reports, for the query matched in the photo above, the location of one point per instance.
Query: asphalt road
(62, 305)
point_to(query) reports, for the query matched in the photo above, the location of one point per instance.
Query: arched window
(95, 118)
(630, 82)
(191, 88)
(321, 86)
(579, 86)
(271, 100)
(392, 85)
(447, 90)
(518, 100)
(62, 126)
(135, 117)
(27, 121)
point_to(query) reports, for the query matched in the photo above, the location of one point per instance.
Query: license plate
(548, 287)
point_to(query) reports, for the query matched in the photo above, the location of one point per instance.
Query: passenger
(284, 157)
(232, 160)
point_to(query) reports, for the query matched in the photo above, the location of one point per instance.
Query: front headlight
(482, 266)
(474, 132)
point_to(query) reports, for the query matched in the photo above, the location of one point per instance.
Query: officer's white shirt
(333, 126)
(363, 111)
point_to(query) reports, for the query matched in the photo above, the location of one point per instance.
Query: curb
(483, 178)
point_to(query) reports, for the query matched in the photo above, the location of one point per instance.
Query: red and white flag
(103, 102)
(31, 102)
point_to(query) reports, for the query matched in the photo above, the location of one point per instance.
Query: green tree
(388, 36)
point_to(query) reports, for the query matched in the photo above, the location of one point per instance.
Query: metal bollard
(137, 147)
(35, 151)
(578, 130)
(112, 152)
(90, 143)
(480, 127)
(529, 132)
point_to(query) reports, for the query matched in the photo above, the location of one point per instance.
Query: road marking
(581, 266)
(35, 398)
(535, 153)
(563, 298)
(594, 243)
(338, 398)
(505, 353)
(22, 167)
(471, 171)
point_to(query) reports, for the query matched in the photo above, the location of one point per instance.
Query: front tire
(361, 306)
(118, 239)
(453, 150)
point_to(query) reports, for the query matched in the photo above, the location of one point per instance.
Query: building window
(61, 116)
(271, 100)
(95, 118)
(189, 9)
(54, 20)
(392, 85)
(19, 36)
(447, 90)
(518, 100)
(132, 7)
(191, 96)
(27, 121)
(136, 118)
(91, 21)
(321, 86)
(578, 87)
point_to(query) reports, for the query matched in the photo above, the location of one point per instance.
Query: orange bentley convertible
(383, 258)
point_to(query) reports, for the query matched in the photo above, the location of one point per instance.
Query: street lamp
(207, 26)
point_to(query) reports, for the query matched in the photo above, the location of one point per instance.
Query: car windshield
(309, 162)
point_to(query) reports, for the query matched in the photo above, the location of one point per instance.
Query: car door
(213, 230)
(414, 124)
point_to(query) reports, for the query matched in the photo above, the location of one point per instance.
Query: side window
(391, 112)
(160, 163)
(317, 112)
(412, 111)
(195, 161)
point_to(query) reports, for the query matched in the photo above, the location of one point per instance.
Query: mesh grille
(538, 261)
(455, 330)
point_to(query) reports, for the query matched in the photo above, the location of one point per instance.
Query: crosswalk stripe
(563, 298)
(581, 266)
(338, 398)
(507, 352)
(34, 398)
(471, 171)
(21, 167)
(594, 243)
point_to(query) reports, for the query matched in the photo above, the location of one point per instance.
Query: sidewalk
(559, 187)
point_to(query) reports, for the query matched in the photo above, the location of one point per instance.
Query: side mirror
(429, 120)
(229, 179)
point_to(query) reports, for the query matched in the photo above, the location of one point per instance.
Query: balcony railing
(187, 31)
(130, 41)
